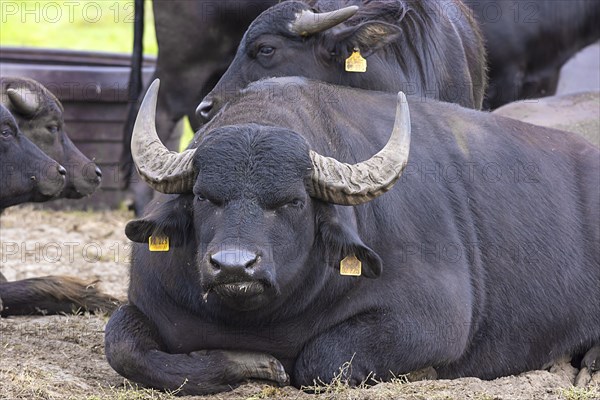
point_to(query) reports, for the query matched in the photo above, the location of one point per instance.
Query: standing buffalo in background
(196, 42)
(26, 172)
(474, 263)
(39, 115)
(419, 47)
(528, 41)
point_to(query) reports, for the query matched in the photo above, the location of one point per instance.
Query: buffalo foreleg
(366, 349)
(53, 295)
(134, 349)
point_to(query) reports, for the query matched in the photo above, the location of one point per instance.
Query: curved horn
(166, 171)
(24, 100)
(346, 184)
(309, 23)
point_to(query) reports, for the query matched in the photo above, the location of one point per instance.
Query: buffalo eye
(53, 129)
(295, 203)
(205, 200)
(5, 132)
(266, 51)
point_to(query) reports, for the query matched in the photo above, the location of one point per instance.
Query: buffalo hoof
(425, 374)
(258, 366)
(589, 365)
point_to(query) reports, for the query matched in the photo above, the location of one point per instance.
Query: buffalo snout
(241, 277)
(204, 111)
(51, 180)
(235, 264)
(234, 260)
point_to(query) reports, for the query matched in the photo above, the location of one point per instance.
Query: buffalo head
(26, 173)
(259, 204)
(289, 39)
(40, 117)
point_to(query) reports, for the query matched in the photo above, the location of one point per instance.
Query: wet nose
(234, 259)
(204, 109)
(62, 170)
(98, 172)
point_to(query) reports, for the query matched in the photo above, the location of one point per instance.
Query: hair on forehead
(251, 158)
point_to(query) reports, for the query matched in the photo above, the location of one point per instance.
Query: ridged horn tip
(308, 22)
(164, 170)
(346, 184)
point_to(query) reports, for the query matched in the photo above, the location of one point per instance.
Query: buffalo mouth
(240, 289)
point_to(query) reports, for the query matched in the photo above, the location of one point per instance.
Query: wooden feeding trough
(92, 87)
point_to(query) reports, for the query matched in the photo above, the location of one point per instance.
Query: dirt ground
(62, 357)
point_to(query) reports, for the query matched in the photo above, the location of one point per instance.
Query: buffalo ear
(338, 231)
(368, 37)
(139, 230)
(171, 218)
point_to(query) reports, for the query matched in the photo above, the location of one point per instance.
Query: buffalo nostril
(234, 259)
(203, 110)
(62, 170)
(98, 172)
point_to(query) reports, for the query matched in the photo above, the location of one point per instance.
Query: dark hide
(528, 41)
(26, 173)
(477, 256)
(46, 128)
(424, 48)
(53, 295)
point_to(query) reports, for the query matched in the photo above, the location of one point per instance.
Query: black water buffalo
(27, 173)
(40, 117)
(480, 261)
(528, 41)
(419, 47)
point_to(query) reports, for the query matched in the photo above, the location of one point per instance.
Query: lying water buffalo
(40, 117)
(418, 47)
(27, 174)
(575, 112)
(474, 263)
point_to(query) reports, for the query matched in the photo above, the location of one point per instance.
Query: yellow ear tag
(356, 63)
(160, 243)
(350, 266)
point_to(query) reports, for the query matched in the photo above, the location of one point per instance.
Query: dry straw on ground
(62, 357)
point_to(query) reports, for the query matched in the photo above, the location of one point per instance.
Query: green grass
(99, 25)
(575, 393)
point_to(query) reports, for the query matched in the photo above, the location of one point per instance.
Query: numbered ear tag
(356, 63)
(159, 243)
(350, 266)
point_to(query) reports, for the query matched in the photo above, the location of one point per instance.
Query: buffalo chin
(244, 296)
